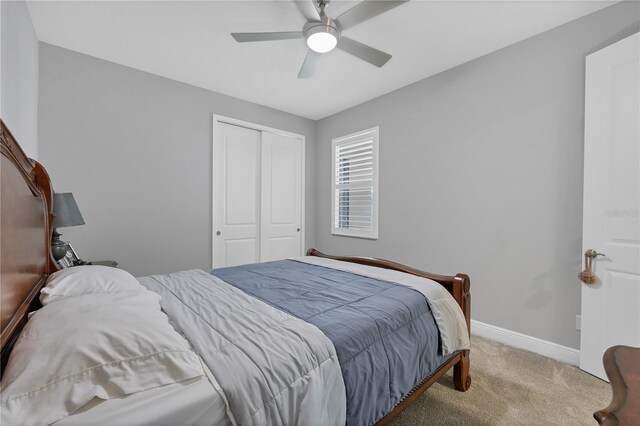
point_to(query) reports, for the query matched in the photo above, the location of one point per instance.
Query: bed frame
(25, 260)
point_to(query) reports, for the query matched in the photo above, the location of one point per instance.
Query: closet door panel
(236, 181)
(281, 203)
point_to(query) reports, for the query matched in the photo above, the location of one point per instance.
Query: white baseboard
(529, 343)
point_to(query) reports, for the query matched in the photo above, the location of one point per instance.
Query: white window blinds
(355, 185)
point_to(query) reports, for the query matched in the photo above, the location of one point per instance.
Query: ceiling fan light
(322, 42)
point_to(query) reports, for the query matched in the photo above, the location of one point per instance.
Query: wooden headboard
(25, 228)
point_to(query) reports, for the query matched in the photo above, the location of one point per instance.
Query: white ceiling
(190, 42)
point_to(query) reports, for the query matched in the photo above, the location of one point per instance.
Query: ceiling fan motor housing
(325, 25)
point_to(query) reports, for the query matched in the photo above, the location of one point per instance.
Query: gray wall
(481, 172)
(135, 150)
(19, 75)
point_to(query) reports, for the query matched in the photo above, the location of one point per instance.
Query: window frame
(364, 135)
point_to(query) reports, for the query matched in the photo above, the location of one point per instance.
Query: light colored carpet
(511, 387)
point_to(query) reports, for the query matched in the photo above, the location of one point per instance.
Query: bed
(374, 342)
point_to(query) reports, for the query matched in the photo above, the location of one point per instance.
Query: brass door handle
(587, 275)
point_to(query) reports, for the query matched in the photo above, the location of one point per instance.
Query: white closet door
(236, 180)
(281, 197)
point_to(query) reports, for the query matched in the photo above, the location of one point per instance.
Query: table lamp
(66, 213)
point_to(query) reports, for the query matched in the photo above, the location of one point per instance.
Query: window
(355, 185)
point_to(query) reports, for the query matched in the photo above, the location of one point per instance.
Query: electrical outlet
(578, 322)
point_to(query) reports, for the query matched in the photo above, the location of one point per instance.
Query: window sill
(362, 237)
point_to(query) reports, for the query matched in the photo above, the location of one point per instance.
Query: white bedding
(196, 403)
(275, 369)
(199, 403)
(103, 345)
(262, 366)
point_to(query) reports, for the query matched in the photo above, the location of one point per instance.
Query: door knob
(298, 230)
(218, 233)
(587, 275)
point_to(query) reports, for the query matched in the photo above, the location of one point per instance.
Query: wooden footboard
(459, 286)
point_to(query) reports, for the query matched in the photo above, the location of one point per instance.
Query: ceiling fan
(323, 33)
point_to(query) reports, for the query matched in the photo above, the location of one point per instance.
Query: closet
(258, 183)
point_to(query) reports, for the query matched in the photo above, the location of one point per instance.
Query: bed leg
(461, 377)
(460, 291)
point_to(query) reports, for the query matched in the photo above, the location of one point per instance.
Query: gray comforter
(273, 368)
(385, 335)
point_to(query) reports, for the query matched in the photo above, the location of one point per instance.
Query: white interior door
(611, 305)
(281, 197)
(236, 192)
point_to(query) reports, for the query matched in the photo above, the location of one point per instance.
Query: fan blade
(365, 10)
(308, 10)
(309, 64)
(245, 37)
(366, 53)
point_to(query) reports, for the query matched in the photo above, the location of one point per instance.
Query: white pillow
(87, 279)
(97, 345)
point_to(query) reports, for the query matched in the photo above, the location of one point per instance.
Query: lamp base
(58, 248)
